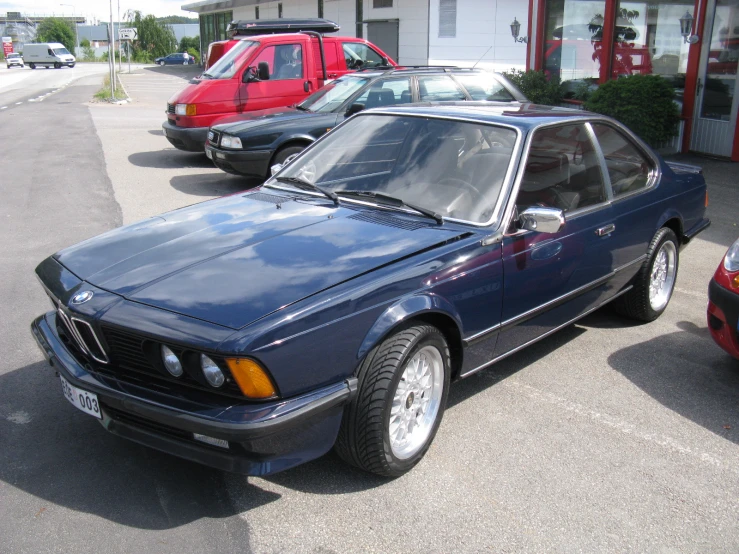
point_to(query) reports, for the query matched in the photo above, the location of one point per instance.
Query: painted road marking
(4, 108)
(18, 103)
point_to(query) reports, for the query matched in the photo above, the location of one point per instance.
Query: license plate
(81, 399)
(209, 153)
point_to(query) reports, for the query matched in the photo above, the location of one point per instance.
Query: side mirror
(275, 169)
(385, 61)
(542, 220)
(249, 76)
(354, 108)
(263, 71)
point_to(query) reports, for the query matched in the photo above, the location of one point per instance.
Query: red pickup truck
(264, 71)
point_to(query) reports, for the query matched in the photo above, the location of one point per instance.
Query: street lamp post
(76, 36)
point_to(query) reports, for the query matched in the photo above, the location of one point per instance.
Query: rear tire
(162, 63)
(403, 385)
(32, 65)
(655, 282)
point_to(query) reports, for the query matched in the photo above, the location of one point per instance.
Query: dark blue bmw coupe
(333, 306)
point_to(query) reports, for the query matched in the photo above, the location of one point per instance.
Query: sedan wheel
(653, 285)
(162, 62)
(403, 386)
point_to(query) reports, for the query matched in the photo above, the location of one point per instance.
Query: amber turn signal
(191, 109)
(735, 281)
(251, 378)
(706, 199)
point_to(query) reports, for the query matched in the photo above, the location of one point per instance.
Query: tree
(54, 29)
(84, 43)
(187, 43)
(172, 19)
(154, 39)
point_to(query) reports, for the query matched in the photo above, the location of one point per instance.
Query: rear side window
(562, 171)
(439, 88)
(628, 168)
(360, 55)
(481, 86)
(386, 93)
(329, 52)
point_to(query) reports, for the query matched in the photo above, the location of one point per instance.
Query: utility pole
(120, 42)
(111, 54)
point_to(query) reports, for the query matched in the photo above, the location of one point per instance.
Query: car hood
(237, 259)
(246, 122)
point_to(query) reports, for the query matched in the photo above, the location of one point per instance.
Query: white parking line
(4, 108)
(18, 103)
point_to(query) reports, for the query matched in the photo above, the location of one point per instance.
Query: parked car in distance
(264, 71)
(14, 58)
(723, 302)
(333, 306)
(178, 58)
(51, 54)
(251, 143)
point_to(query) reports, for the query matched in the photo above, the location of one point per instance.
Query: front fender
(404, 310)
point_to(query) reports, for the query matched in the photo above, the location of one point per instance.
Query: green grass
(104, 93)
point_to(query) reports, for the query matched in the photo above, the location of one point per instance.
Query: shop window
(647, 40)
(573, 40)
(447, 18)
(723, 61)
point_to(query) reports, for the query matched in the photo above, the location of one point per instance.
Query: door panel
(289, 74)
(550, 279)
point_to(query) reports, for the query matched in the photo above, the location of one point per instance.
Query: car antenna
(481, 57)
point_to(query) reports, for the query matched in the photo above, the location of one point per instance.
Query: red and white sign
(7, 46)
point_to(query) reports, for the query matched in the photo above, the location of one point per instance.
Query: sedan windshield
(226, 67)
(333, 94)
(450, 168)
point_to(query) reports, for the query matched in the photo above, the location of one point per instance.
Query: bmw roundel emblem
(82, 297)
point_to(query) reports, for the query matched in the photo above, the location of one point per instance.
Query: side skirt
(551, 331)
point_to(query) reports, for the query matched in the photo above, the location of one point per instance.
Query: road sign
(127, 34)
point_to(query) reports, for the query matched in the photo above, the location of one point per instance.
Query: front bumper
(723, 317)
(191, 139)
(249, 163)
(263, 438)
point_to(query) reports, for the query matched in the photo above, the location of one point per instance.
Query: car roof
(524, 116)
(417, 70)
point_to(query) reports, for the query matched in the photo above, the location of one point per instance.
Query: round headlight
(211, 371)
(171, 362)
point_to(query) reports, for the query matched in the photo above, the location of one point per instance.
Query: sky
(99, 9)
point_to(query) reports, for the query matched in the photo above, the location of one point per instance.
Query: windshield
(456, 169)
(226, 67)
(61, 52)
(14, 55)
(333, 94)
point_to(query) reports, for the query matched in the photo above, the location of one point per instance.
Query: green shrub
(644, 103)
(88, 54)
(536, 87)
(194, 53)
(142, 56)
(84, 43)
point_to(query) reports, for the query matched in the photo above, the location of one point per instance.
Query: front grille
(82, 335)
(170, 108)
(137, 359)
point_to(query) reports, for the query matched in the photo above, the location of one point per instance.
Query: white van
(48, 54)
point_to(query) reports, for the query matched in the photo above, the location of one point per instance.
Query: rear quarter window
(628, 168)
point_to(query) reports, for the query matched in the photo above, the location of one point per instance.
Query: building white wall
(481, 25)
(340, 11)
(412, 28)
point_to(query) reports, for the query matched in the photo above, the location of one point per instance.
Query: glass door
(718, 99)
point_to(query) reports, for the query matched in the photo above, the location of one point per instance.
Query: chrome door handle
(607, 230)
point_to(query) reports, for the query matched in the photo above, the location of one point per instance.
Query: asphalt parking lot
(605, 437)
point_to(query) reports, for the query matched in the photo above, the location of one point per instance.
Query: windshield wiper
(393, 201)
(301, 108)
(306, 185)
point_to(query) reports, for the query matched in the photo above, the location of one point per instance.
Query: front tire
(655, 282)
(57, 65)
(402, 392)
(162, 63)
(283, 154)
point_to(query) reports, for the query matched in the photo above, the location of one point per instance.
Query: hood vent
(389, 220)
(271, 198)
